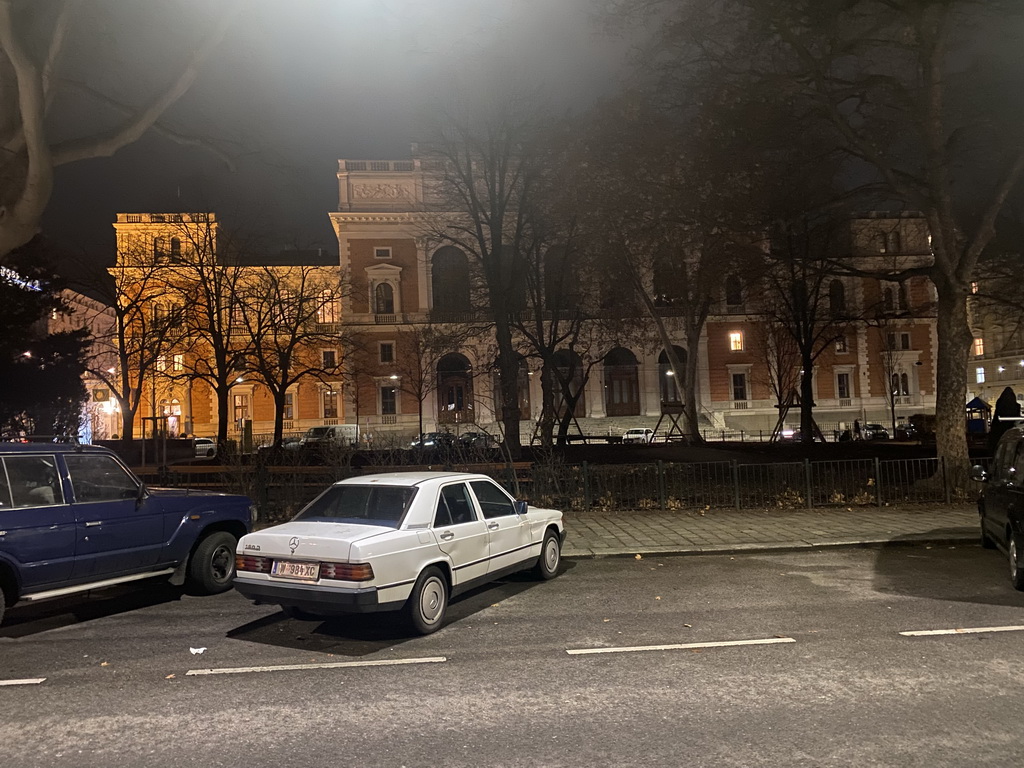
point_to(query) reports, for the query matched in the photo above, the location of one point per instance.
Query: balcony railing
(380, 319)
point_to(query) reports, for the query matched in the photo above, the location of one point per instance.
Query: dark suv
(74, 518)
(1001, 504)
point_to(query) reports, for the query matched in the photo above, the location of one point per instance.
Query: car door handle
(447, 536)
(93, 523)
(493, 526)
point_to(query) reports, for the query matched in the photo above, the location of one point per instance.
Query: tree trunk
(807, 398)
(690, 411)
(223, 400)
(508, 368)
(547, 412)
(954, 339)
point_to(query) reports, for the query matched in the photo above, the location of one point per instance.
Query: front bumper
(314, 599)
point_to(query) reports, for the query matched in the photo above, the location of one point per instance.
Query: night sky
(298, 84)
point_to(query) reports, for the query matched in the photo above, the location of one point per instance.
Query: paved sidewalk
(597, 534)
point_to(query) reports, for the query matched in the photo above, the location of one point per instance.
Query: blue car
(74, 518)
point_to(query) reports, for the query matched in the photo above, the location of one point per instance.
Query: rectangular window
(179, 362)
(289, 406)
(736, 341)
(241, 409)
(387, 352)
(382, 252)
(161, 363)
(841, 347)
(979, 346)
(329, 357)
(843, 385)
(327, 312)
(979, 375)
(330, 403)
(739, 386)
(899, 341)
(388, 401)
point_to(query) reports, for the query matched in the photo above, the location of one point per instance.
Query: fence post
(736, 482)
(878, 482)
(807, 475)
(661, 485)
(945, 481)
(586, 485)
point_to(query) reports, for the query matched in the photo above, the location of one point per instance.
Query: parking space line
(25, 681)
(680, 646)
(961, 631)
(326, 665)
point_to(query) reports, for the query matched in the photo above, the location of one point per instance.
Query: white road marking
(961, 631)
(26, 681)
(327, 665)
(680, 646)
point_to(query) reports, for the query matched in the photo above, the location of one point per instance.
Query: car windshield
(363, 504)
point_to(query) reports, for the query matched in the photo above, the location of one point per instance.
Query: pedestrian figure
(1007, 415)
(856, 429)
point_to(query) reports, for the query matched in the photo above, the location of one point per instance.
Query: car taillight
(346, 571)
(252, 563)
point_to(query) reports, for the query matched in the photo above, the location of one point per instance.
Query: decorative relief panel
(381, 192)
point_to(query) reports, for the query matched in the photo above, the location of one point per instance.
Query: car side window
(5, 489)
(494, 502)
(100, 478)
(33, 481)
(453, 506)
(1001, 466)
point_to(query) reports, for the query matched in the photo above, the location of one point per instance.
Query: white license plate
(290, 569)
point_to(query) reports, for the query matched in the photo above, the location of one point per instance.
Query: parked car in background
(638, 435)
(1001, 503)
(477, 440)
(874, 432)
(907, 432)
(435, 440)
(339, 436)
(74, 518)
(407, 542)
(205, 447)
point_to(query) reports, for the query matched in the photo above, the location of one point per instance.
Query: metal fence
(281, 490)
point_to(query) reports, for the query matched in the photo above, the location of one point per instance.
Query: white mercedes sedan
(405, 541)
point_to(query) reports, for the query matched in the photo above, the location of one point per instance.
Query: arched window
(454, 390)
(904, 384)
(837, 298)
(450, 280)
(733, 291)
(159, 249)
(880, 242)
(175, 249)
(384, 299)
(669, 386)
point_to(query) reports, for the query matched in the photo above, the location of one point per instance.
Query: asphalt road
(536, 674)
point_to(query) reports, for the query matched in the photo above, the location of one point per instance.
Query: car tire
(550, 557)
(209, 454)
(1014, 553)
(987, 542)
(428, 602)
(211, 567)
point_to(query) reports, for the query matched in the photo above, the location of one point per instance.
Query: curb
(782, 546)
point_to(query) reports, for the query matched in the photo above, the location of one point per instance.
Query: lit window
(736, 341)
(179, 362)
(979, 346)
(161, 363)
(974, 287)
(330, 404)
(327, 312)
(382, 253)
(841, 347)
(979, 375)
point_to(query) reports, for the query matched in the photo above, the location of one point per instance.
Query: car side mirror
(521, 507)
(979, 474)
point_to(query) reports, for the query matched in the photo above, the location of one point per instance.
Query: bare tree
(917, 116)
(288, 314)
(147, 328)
(37, 78)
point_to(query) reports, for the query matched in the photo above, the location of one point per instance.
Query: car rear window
(366, 504)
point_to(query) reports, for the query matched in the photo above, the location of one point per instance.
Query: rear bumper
(314, 599)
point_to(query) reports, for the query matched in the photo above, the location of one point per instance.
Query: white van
(342, 435)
